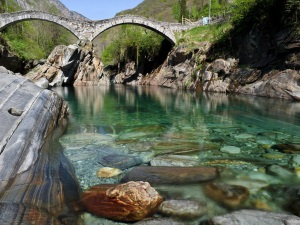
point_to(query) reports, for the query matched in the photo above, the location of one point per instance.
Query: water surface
(148, 122)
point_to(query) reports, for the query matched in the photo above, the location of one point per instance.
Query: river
(255, 142)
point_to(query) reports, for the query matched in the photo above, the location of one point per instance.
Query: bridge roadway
(89, 29)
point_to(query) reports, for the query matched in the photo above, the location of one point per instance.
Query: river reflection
(244, 136)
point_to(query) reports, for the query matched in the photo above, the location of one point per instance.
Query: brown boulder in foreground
(132, 201)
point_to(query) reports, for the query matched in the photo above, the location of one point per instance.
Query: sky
(100, 9)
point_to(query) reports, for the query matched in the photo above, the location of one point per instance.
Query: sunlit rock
(229, 195)
(132, 201)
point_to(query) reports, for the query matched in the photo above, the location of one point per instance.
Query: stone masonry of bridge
(89, 29)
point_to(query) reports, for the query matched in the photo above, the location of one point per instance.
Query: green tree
(180, 10)
(183, 9)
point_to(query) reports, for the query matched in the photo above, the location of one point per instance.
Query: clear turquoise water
(149, 121)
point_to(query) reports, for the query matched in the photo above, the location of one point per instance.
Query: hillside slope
(53, 6)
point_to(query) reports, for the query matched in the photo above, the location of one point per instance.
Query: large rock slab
(132, 201)
(69, 65)
(255, 217)
(37, 182)
(171, 175)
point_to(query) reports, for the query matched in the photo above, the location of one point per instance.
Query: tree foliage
(133, 43)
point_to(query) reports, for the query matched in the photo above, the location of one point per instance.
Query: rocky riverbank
(183, 69)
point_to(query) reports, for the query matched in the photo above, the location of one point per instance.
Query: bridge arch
(157, 26)
(7, 19)
(89, 30)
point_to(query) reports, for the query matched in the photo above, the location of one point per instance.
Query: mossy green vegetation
(34, 39)
(211, 33)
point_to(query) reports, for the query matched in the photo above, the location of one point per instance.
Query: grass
(211, 33)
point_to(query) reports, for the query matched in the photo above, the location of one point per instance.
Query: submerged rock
(287, 148)
(159, 221)
(171, 175)
(174, 160)
(230, 149)
(120, 161)
(280, 172)
(229, 195)
(255, 217)
(185, 209)
(132, 201)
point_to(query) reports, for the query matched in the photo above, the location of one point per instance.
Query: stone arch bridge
(89, 30)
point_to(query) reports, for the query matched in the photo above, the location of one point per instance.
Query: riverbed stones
(255, 217)
(231, 196)
(184, 209)
(171, 175)
(230, 149)
(108, 172)
(132, 201)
